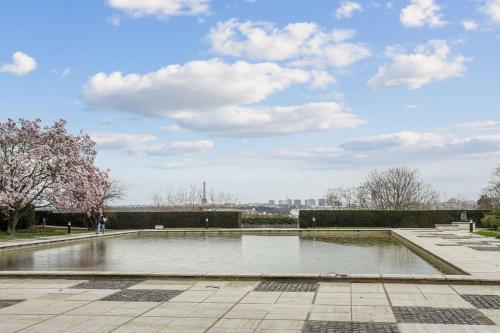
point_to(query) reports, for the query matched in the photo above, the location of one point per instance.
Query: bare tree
(491, 194)
(399, 188)
(220, 199)
(157, 199)
(192, 196)
(458, 202)
(333, 198)
(116, 191)
(342, 197)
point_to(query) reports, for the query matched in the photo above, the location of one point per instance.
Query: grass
(486, 233)
(28, 235)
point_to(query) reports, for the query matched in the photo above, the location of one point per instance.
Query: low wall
(383, 218)
(148, 220)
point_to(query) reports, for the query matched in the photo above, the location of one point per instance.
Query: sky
(263, 99)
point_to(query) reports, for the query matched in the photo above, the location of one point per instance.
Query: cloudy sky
(264, 99)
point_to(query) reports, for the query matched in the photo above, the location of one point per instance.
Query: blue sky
(263, 99)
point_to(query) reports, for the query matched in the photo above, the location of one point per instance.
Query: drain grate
(427, 315)
(288, 286)
(485, 248)
(107, 284)
(143, 295)
(483, 301)
(317, 326)
(5, 303)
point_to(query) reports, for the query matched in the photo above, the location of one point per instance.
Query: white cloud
(65, 72)
(22, 64)
(172, 128)
(115, 20)
(412, 107)
(303, 43)
(161, 8)
(388, 149)
(429, 62)
(174, 147)
(485, 125)
(266, 121)
(106, 121)
(401, 140)
(113, 140)
(347, 8)
(321, 80)
(144, 144)
(182, 164)
(62, 73)
(217, 98)
(196, 85)
(469, 25)
(492, 9)
(422, 13)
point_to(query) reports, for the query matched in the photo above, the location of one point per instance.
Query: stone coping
(317, 277)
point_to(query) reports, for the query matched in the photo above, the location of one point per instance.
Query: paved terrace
(476, 255)
(169, 305)
(302, 303)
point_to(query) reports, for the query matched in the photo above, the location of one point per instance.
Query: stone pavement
(476, 255)
(182, 305)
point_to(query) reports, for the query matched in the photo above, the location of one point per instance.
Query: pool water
(166, 253)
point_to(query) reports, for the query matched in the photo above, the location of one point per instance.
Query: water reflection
(224, 254)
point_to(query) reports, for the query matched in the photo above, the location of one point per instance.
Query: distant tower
(204, 200)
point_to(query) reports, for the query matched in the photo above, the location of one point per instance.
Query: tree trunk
(12, 223)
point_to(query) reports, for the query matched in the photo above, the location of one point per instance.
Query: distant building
(310, 202)
(297, 202)
(281, 202)
(288, 202)
(272, 202)
(322, 202)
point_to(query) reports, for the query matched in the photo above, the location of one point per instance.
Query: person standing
(99, 221)
(104, 219)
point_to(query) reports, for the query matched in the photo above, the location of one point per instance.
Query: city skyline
(259, 101)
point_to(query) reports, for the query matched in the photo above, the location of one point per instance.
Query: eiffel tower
(204, 200)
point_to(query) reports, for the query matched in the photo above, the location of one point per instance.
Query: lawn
(486, 233)
(51, 232)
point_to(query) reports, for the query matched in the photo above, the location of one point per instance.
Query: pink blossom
(47, 166)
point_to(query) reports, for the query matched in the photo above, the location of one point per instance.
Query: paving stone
(474, 243)
(485, 248)
(106, 284)
(316, 326)
(484, 301)
(288, 286)
(142, 295)
(6, 303)
(429, 315)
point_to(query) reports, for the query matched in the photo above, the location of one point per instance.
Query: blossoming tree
(46, 166)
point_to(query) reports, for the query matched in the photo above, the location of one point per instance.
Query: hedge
(384, 218)
(25, 222)
(269, 220)
(148, 220)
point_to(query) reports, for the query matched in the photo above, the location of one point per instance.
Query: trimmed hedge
(384, 218)
(269, 220)
(25, 222)
(148, 220)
